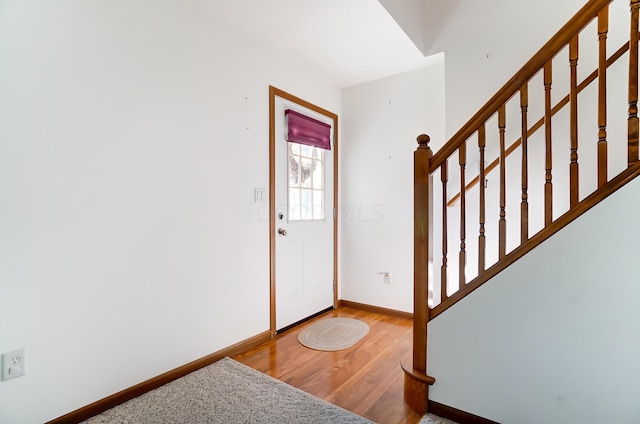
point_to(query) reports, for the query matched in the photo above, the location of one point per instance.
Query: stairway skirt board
(453, 414)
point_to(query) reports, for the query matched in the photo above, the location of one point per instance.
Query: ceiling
(349, 42)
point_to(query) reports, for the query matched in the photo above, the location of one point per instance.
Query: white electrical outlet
(13, 364)
(386, 277)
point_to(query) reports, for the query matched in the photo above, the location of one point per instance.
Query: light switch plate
(259, 195)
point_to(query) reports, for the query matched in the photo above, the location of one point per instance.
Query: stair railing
(492, 118)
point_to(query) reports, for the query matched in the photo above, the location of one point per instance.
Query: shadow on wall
(436, 14)
(421, 20)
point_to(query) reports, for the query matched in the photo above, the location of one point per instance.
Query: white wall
(132, 135)
(409, 15)
(486, 43)
(553, 337)
(381, 121)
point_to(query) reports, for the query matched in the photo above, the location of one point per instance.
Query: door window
(306, 183)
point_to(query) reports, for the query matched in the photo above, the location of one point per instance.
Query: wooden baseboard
(109, 402)
(374, 309)
(454, 414)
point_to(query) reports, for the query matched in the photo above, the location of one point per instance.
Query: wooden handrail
(528, 71)
(535, 127)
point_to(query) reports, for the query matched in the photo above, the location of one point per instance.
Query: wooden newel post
(416, 381)
(421, 250)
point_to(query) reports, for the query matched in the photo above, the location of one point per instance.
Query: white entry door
(303, 223)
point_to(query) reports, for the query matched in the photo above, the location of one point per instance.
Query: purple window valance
(306, 130)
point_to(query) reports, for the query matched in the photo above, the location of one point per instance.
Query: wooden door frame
(273, 93)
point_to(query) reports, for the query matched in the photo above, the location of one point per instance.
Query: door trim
(273, 93)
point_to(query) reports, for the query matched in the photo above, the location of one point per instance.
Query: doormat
(333, 334)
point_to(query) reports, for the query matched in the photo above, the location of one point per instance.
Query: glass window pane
(305, 150)
(294, 171)
(306, 182)
(318, 175)
(305, 204)
(305, 174)
(318, 204)
(294, 204)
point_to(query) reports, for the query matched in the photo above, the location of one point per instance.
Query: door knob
(282, 232)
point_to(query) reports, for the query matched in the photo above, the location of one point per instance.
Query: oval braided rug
(333, 334)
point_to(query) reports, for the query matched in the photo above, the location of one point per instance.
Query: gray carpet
(227, 392)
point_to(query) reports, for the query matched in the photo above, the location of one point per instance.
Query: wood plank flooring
(365, 379)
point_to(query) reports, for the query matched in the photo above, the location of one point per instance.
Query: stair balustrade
(486, 134)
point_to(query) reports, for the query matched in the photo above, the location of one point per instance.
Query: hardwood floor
(365, 379)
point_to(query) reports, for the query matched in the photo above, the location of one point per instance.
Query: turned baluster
(633, 124)
(444, 177)
(548, 186)
(482, 142)
(603, 28)
(573, 112)
(524, 205)
(502, 225)
(462, 159)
